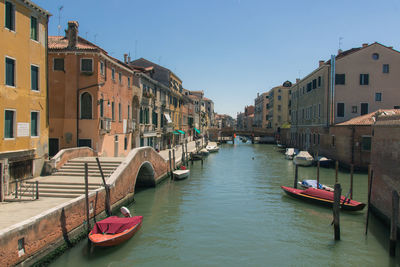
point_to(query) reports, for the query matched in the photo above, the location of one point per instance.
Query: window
(375, 56)
(354, 109)
(113, 74)
(129, 81)
(364, 108)
(319, 110)
(34, 123)
(101, 67)
(125, 143)
(112, 111)
(86, 65)
(364, 79)
(340, 110)
(385, 68)
(119, 112)
(120, 77)
(309, 87)
(314, 84)
(86, 106)
(366, 143)
(34, 29)
(129, 112)
(10, 16)
(340, 78)
(58, 64)
(279, 107)
(333, 140)
(101, 108)
(34, 78)
(9, 124)
(378, 96)
(279, 97)
(319, 81)
(10, 71)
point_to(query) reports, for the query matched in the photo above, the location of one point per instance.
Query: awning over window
(197, 130)
(180, 131)
(175, 132)
(168, 118)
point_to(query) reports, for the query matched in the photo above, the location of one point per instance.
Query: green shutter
(34, 35)
(34, 124)
(34, 78)
(101, 108)
(10, 72)
(112, 111)
(9, 124)
(9, 16)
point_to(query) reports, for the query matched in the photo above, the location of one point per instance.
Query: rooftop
(370, 118)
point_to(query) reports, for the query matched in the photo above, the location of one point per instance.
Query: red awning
(115, 225)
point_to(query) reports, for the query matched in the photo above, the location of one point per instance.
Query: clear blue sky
(231, 49)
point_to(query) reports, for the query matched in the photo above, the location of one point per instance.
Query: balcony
(105, 125)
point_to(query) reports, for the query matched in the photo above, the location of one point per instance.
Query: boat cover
(311, 183)
(115, 225)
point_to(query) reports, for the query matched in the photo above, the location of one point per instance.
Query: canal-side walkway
(13, 213)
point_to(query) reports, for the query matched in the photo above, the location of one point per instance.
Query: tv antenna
(60, 8)
(340, 43)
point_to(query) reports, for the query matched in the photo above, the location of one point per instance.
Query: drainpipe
(77, 107)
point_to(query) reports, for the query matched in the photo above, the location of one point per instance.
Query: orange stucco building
(92, 98)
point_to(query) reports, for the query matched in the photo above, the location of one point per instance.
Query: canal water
(232, 212)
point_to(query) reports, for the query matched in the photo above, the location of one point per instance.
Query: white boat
(181, 174)
(291, 152)
(204, 152)
(313, 184)
(303, 159)
(212, 149)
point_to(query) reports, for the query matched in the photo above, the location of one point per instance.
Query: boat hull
(107, 240)
(302, 162)
(297, 193)
(181, 174)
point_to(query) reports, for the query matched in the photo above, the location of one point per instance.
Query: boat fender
(125, 212)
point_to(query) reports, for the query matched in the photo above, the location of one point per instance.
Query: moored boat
(291, 153)
(114, 230)
(204, 152)
(303, 159)
(212, 148)
(325, 162)
(322, 197)
(313, 183)
(181, 174)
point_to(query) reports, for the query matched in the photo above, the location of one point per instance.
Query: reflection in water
(232, 212)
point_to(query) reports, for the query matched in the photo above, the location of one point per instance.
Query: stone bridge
(60, 225)
(227, 133)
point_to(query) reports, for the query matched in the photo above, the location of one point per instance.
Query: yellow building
(278, 106)
(23, 91)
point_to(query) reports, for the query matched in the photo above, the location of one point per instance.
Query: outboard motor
(125, 212)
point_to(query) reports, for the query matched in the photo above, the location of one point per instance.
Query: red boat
(114, 230)
(322, 197)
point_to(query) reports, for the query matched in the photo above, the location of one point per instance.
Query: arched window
(86, 106)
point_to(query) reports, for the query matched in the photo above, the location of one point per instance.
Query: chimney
(125, 58)
(364, 45)
(321, 62)
(129, 59)
(297, 80)
(339, 51)
(72, 34)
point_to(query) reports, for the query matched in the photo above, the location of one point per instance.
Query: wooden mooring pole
(351, 180)
(170, 164)
(370, 178)
(187, 154)
(393, 223)
(336, 210)
(336, 171)
(87, 196)
(173, 159)
(106, 188)
(296, 173)
(318, 166)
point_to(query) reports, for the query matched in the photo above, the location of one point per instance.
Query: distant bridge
(228, 133)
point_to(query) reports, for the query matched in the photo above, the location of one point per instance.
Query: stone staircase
(68, 181)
